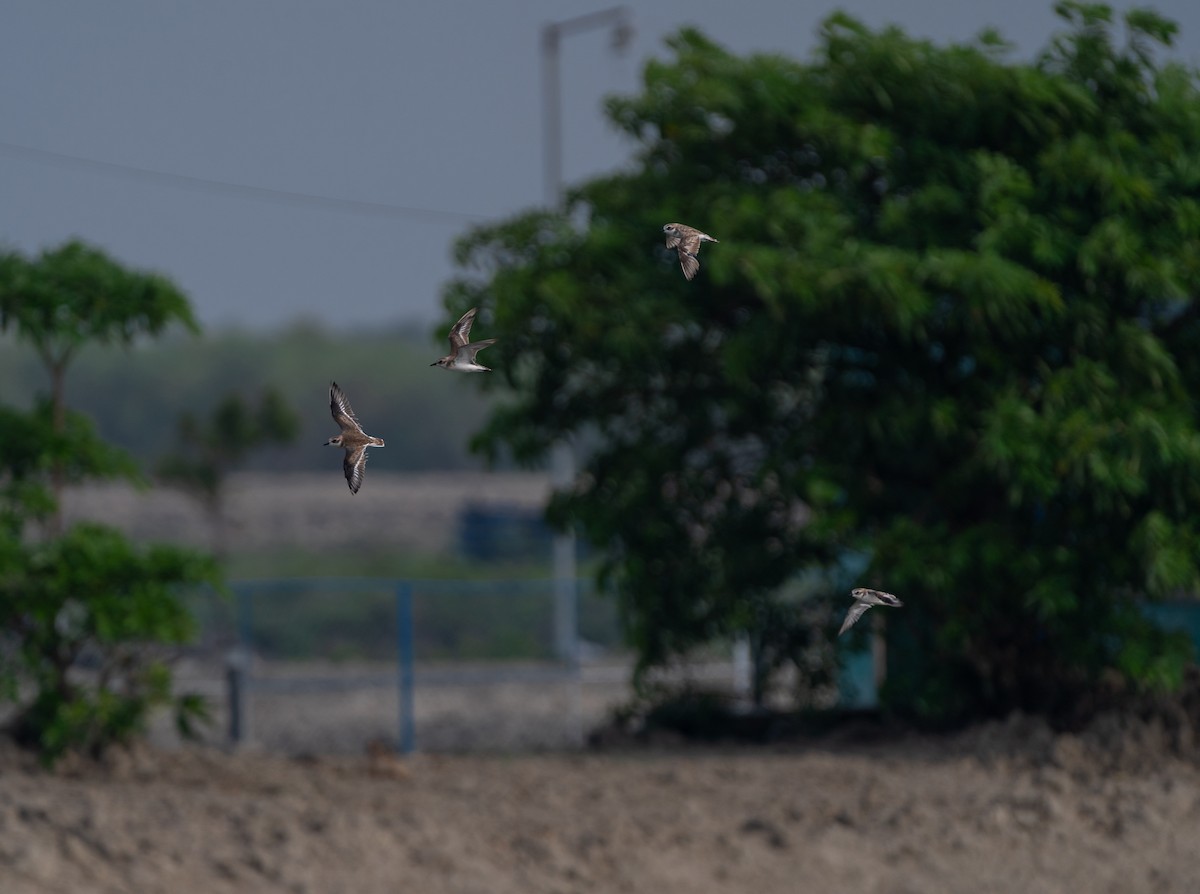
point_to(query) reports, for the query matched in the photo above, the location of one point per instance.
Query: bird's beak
(435, 363)
(327, 443)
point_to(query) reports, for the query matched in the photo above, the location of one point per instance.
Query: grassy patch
(462, 611)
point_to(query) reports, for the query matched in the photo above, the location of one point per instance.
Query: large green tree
(88, 621)
(950, 324)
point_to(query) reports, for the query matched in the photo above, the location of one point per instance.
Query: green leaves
(86, 596)
(949, 323)
(209, 450)
(30, 449)
(91, 595)
(74, 294)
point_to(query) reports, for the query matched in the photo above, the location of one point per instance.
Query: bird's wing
(339, 406)
(354, 464)
(673, 240)
(460, 334)
(689, 262)
(856, 611)
(691, 242)
(468, 352)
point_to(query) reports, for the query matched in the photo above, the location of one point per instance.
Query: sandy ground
(308, 807)
(1005, 808)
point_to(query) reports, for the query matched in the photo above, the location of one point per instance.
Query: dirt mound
(1008, 807)
(1132, 733)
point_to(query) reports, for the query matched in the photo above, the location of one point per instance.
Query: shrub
(90, 623)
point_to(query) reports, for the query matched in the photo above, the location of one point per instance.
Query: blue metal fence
(302, 619)
(420, 633)
(292, 636)
(297, 636)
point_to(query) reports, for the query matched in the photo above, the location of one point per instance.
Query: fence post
(404, 663)
(235, 686)
(575, 667)
(743, 668)
(564, 553)
(566, 600)
(237, 669)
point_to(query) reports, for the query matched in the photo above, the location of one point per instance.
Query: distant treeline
(135, 396)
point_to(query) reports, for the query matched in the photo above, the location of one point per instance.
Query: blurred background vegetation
(136, 395)
(946, 347)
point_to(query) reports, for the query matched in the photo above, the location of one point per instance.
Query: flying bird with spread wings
(863, 600)
(353, 438)
(462, 349)
(686, 242)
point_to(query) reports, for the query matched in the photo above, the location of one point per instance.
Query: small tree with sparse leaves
(208, 451)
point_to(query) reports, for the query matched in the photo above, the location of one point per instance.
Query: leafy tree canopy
(30, 448)
(75, 294)
(950, 323)
(87, 619)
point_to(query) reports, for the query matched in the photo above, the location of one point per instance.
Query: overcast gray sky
(432, 106)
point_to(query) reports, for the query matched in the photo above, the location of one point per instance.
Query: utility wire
(245, 190)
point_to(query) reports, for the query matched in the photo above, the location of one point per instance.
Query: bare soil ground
(1005, 808)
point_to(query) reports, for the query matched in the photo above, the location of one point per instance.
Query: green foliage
(86, 619)
(135, 395)
(950, 323)
(29, 448)
(75, 295)
(208, 451)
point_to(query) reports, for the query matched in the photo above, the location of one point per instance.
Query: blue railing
(426, 629)
(259, 631)
(245, 593)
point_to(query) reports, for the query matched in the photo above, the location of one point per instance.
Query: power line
(262, 193)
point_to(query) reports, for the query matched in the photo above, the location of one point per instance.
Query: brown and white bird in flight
(863, 600)
(686, 241)
(353, 438)
(462, 350)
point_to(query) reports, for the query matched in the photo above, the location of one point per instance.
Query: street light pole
(552, 116)
(619, 19)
